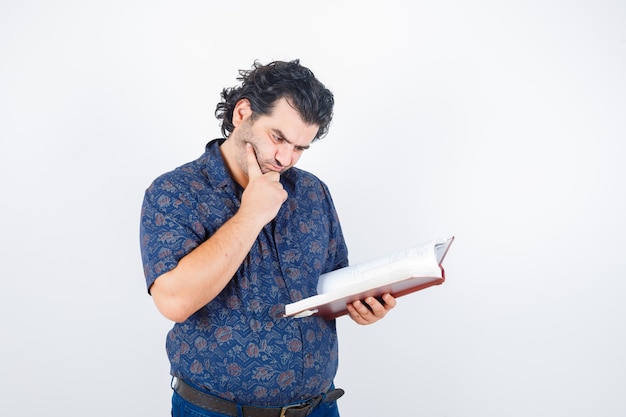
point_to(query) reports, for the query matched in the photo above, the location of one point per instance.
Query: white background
(499, 122)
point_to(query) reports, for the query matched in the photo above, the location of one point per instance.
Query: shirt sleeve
(169, 229)
(338, 250)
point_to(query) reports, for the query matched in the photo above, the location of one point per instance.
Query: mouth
(275, 168)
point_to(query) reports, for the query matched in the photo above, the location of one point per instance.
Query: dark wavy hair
(263, 85)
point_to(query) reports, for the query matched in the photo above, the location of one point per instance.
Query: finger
(364, 310)
(355, 315)
(373, 306)
(390, 301)
(254, 170)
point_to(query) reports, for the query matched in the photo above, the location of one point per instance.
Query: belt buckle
(305, 406)
(283, 410)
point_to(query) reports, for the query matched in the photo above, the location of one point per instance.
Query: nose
(284, 154)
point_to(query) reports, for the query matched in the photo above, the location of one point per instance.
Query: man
(230, 238)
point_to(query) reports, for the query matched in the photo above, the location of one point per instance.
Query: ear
(242, 111)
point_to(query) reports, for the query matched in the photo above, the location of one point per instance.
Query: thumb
(254, 170)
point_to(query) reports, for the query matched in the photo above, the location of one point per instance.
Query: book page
(418, 260)
(442, 248)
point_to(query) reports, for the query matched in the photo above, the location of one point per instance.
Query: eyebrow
(279, 133)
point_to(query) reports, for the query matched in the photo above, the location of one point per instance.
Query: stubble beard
(243, 137)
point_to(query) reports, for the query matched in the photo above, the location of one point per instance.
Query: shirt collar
(216, 171)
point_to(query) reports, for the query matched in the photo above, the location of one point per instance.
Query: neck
(229, 153)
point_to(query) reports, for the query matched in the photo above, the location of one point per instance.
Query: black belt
(220, 405)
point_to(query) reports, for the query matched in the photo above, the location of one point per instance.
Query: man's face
(278, 139)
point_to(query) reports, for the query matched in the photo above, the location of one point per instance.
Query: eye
(277, 138)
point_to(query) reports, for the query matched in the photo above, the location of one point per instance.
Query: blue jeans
(182, 408)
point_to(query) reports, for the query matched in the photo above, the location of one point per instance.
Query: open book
(398, 274)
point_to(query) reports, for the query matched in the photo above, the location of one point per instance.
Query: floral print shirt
(239, 346)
